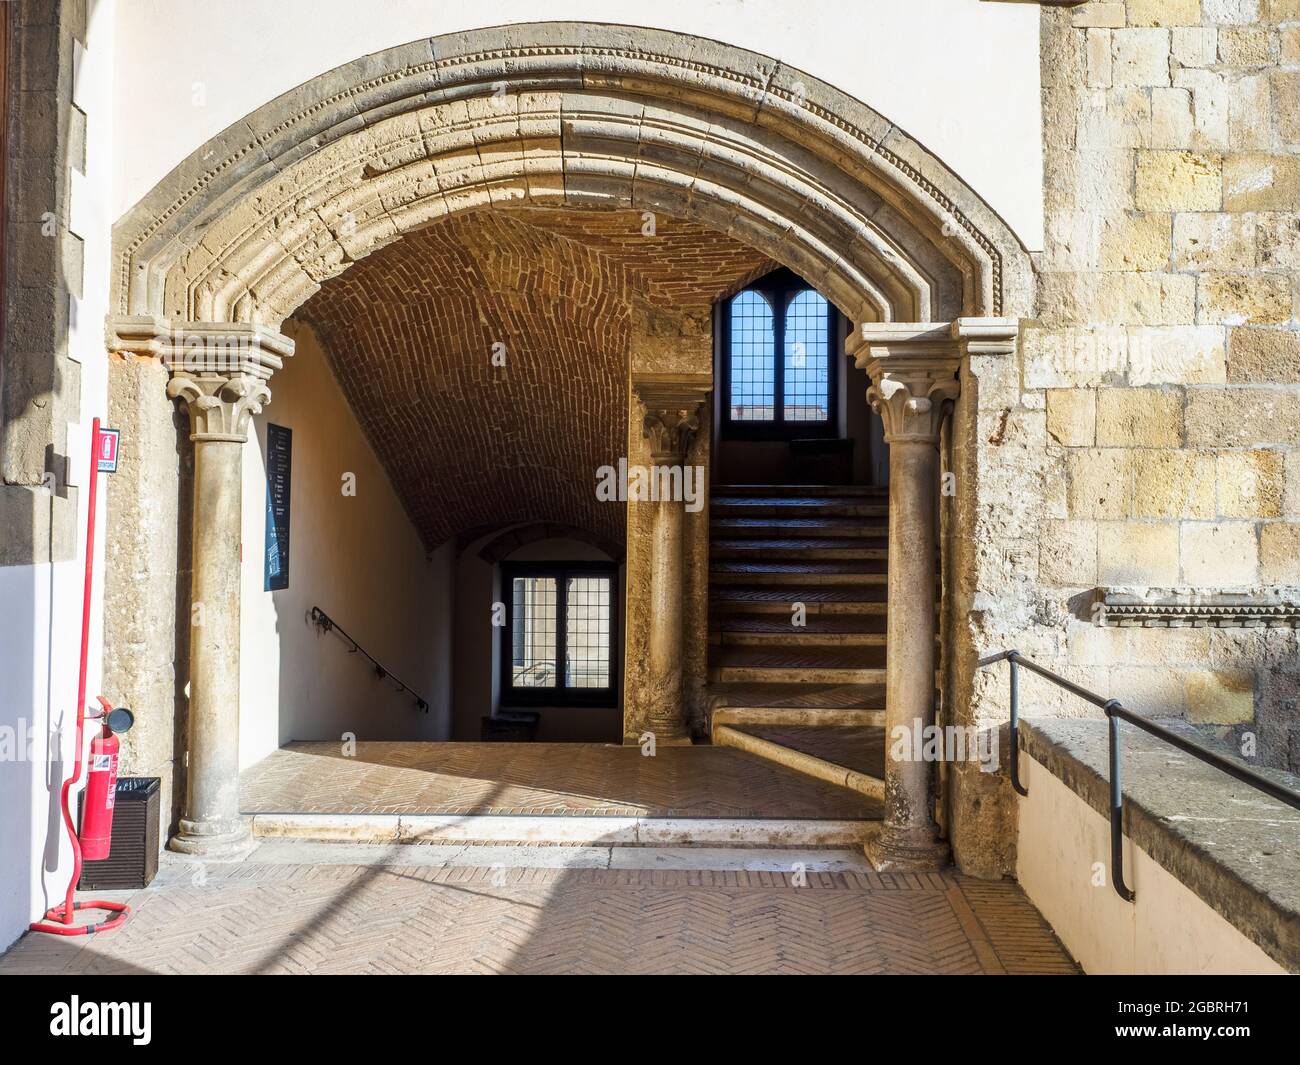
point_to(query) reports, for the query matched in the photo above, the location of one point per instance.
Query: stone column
(913, 370)
(672, 417)
(219, 372)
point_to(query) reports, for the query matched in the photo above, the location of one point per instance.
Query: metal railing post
(1115, 713)
(1015, 724)
(1116, 807)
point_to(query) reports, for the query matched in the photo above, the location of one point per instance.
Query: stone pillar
(672, 405)
(219, 372)
(913, 370)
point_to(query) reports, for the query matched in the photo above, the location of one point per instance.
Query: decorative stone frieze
(1223, 611)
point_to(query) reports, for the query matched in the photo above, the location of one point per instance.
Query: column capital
(219, 370)
(672, 411)
(914, 368)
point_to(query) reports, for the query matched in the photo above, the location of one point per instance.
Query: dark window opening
(778, 341)
(559, 642)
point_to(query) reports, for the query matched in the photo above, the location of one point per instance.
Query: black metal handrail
(327, 624)
(1115, 712)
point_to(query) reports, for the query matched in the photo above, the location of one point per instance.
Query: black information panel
(279, 466)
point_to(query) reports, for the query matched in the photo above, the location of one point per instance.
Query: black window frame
(779, 288)
(561, 694)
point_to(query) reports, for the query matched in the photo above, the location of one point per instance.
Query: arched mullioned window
(777, 340)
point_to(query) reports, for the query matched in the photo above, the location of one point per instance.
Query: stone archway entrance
(212, 261)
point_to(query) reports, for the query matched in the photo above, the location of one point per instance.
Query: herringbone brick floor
(269, 917)
(539, 778)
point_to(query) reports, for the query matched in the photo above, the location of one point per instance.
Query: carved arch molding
(566, 115)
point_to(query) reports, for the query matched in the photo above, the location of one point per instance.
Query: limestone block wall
(1146, 438)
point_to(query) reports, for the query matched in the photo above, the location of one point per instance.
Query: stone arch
(512, 539)
(564, 114)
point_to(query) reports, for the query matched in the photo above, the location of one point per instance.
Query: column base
(213, 841)
(890, 850)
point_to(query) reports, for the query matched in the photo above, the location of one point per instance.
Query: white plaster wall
(356, 557)
(40, 606)
(961, 76)
(1167, 929)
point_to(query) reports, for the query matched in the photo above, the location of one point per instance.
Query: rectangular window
(553, 606)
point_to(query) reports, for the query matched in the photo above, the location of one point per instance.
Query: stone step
(799, 665)
(788, 637)
(561, 830)
(872, 624)
(814, 716)
(793, 507)
(801, 526)
(784, 490)
(814, 572)
(791, 547)
(797, 704)
(853, 599)
(850, 756)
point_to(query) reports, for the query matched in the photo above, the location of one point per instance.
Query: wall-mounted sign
(279, 464)
(106, 449)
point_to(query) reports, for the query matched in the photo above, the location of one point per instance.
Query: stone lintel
(961, 336)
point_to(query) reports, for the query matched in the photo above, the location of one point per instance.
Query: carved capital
(220, 407)
(912, 400)
(219, 370)
(672, 405)
(913, 371)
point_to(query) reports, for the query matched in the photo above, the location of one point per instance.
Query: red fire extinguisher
(101, 784)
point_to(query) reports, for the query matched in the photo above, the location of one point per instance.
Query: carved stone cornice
(1225, 611)
(672, 405)
(219, 370)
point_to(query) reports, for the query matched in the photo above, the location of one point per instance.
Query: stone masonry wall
(1152, 442)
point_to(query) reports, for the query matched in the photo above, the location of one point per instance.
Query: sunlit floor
(297, 907)
(589, 779)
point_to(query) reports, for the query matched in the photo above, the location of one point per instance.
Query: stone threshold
(522, 856)
(560, 829)
(1234, 847)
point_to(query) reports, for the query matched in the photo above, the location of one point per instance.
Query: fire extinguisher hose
(58, 919)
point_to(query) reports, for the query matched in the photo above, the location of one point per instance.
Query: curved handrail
(1115, 712)
(326, 624)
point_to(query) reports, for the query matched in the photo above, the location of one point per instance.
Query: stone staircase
(809, 696)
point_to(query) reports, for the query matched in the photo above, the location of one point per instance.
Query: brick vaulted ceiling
(410, 332)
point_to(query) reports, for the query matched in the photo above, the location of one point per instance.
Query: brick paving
(281, 917)
(539, 778)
